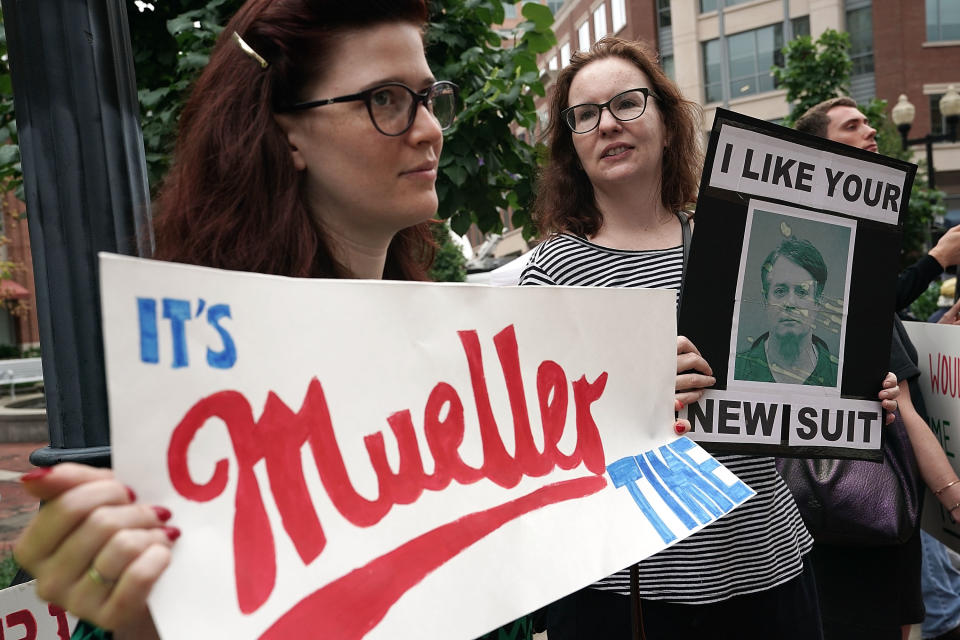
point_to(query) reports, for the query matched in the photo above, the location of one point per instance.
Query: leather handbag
(859, 502)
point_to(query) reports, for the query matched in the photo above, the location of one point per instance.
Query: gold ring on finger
(99, 578)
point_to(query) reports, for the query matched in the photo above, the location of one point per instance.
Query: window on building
(801, 26)
(750, 58)
(663, 13)
(712, 84)
(860, 28)
(711, 5)
(619, 14)
(552, 64)
(510, 10)
(938, 123)
(554, 5)
(943, 20)
(583, 33)
(564, 54)
(666, 62)
(750, 54)
(952, 205)
(600, 21)
(798, 27)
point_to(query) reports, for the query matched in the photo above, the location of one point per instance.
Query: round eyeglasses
(625, 106)
(393, 106)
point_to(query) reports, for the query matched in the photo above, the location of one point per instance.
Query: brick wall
(18, 251)
(903, 64)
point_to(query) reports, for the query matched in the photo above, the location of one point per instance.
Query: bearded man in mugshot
(792, 280)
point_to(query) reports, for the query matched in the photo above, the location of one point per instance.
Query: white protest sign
(938, 355)
(354, 459)
(751, 162)
(24, 616)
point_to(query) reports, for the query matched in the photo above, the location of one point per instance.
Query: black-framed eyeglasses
(393, 105)
(625, 106)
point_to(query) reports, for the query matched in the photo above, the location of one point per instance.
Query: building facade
(18, 295)
(720, 52)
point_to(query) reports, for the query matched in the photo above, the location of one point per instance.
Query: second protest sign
(789, 290)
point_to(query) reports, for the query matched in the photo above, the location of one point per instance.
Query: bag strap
(687, 232)
(636, 613)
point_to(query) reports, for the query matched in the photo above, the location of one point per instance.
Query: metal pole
(787, 25)
(724, 56)
(935, 228)
(86, 191)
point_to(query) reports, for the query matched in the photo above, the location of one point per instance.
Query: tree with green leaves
(171, 43)
(814, 71)
(926, 204)
(486, 167)
(449, 264)
(10, 175)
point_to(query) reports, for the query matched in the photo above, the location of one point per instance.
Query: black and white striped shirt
(758, 545)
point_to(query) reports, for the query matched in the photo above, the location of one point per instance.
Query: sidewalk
(16, 505)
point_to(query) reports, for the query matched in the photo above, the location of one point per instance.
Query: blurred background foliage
(817, 70)
(485, 167)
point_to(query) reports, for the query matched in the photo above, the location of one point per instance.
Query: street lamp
(903, 113)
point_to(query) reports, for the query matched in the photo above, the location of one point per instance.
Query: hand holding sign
(90, 522)
(404, 446)
(693, 372)
(889, 395)
(952, 316)
(947, 249)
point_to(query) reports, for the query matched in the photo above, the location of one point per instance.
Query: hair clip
(247, 49)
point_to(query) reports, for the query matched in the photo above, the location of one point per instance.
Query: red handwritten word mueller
(945, 374)
(370, 591)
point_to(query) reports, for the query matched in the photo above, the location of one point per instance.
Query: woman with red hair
(309, 147)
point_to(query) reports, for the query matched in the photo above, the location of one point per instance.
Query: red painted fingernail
(172, 533)
(36, 474)
(680, 428)
(678, 405)
(162, 513)
(131, 494)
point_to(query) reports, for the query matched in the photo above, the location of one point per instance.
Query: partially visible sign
(938, 355)
(353, 459)
(24, 616)
(788, 292)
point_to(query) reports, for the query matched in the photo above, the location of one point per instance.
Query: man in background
(840, 120)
